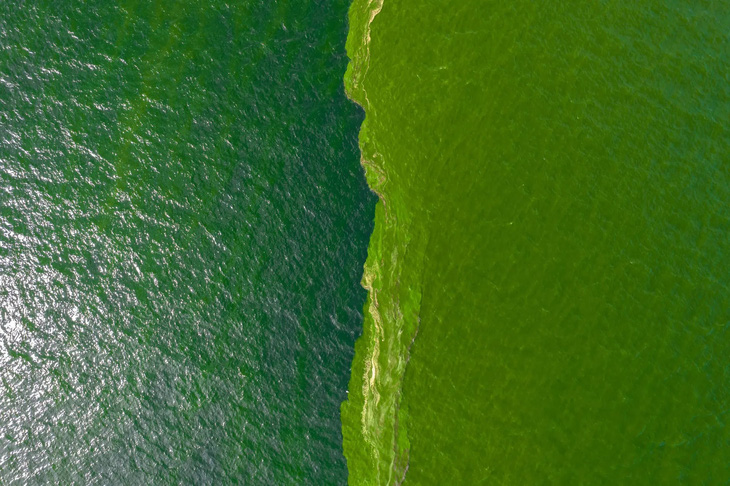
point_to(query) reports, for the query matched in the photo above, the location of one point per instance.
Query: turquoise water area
(183, 224)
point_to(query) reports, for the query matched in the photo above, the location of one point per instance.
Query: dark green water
(183, 223)
(556, 188)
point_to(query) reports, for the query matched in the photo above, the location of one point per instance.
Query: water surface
(183, 222)
(556, 201)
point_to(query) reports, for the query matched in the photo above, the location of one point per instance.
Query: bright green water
(556, 221)
(183, 223)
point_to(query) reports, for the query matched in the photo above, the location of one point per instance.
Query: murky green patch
(555, 226)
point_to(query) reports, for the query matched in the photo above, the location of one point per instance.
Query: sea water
(183, 223)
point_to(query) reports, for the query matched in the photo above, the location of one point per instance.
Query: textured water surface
(183, 223)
